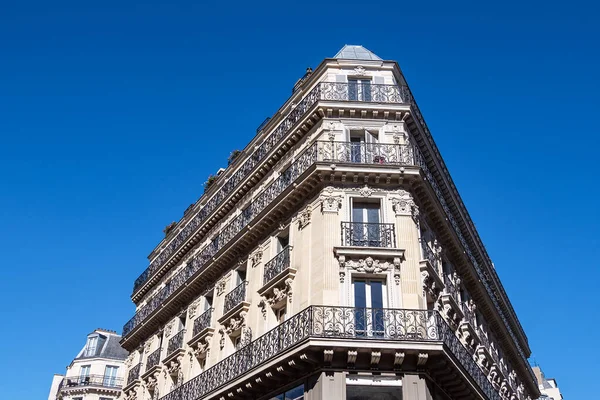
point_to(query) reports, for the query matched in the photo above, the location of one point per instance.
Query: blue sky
(112, 115)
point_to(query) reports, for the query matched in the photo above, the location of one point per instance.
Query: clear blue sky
(112, 115)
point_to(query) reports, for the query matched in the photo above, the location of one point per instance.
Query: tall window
(366, 230)
(280, 314)
(359, 89)
(363, 147)
(84, 374)
(369, 302)
(91, 346)
(110, 375)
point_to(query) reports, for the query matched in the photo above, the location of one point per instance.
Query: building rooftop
(354, 52)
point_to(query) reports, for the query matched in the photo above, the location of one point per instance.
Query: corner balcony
(188, 231)
(74, 384)
(342, 338)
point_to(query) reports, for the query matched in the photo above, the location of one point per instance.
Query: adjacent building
(548, 386)
(96, 373)
(332, 259)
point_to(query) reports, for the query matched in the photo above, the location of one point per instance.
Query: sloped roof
(354, 52)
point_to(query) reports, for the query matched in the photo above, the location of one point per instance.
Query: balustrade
(367, 234)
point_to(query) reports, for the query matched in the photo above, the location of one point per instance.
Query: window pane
(376, 294)
(373, 392)
(360, 299)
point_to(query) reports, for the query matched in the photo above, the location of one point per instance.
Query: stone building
(96, 373)
(332, 259)
(548, 386)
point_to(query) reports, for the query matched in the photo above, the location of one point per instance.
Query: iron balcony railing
(320, 151)
(483, 338)
(202, 322)
(427, 253)
(235, 297)
(346, 323)
(153, 359)
(322, 91)
(368, 234)
(134, 373)
(92, 380)
(366, 153)
(277, 264)
(469, 314)
(176, 342)
(450, 286)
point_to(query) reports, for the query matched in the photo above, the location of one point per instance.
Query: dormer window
(91, 346)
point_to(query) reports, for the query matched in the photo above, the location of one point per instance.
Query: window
(359, 89)
(296, 393)
(281, 313)
(365, 227)
(110, 375)
(208, 301)
(91, 346)
(369, 303)
(364, 148)
(240, 276)
(84, 374)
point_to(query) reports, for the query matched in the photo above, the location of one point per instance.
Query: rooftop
(354, 52)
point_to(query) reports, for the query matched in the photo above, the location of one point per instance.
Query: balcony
(423, 328)
(324, 91)
(368, 234)
(451, 308)
(101, 381)
(277, 265)
(175, 343)
(235, 297)
(203, 331)
(202, 322)
(134, 374)
(430, 274)
(153, 359)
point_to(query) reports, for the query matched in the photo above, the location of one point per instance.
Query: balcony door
(359, 89)
(362, 145)
(110, 376)
(365, 226)
(84, 374)
(369, 302)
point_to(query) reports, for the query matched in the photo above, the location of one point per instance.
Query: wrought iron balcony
(153, 359)
(134, 373)
(368, 234)
(428, 254)
(277, 264)
(322, 91)
(346, 323)
(235, 297)
(202, 322)
(92, 380)
(319, 151)
(483, 338)
(365, 153)
(469, 313)
(450, 286)
(176, 342)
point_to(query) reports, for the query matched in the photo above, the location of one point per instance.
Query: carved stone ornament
(342, 262)
(303, 218)
(202, 348)
(365, 191)
(220, 287)
(148, 345)
(222, 338)
(360, 71)
(403, 204)
(330, 203)
(169, 328)
(397, 263)
(246, 336)
(152, 381)
(429, 286)
(129, 360)
(193, 308)
(179, 377)
(368, 265)
(235, 324)
(155, 395)
(175, 366)
(256, 257)
(276, 297)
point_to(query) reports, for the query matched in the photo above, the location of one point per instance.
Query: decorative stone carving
(222, 338)
(155, 395)
(256, 258)
(329, 202)
(342, 262)
(303, 218)
(367, 265)
(403, 204)
(174, 366)
(169, 328)
(360, 71)
(521, 390)
(276, 297)
(246, 338)
(129, 360)
(397, 261)
(148, 345)
(220, 286)
(365, 191)
(193, 308)
(202, 348)
(179, 377)
(152, 381)
(429, 286)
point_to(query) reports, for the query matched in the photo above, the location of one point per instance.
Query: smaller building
(96, 373)
(548, 386)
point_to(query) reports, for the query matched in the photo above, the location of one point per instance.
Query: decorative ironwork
(153, 359)
(450, 286)
(368, 234)
(483, 338)
(322, 91)
(235, 297)
(334, 322)
(366, 153)
(134, 373)
(427, 253)
(365, 91)
(92, 380)
(176, 342)
(202, 322)
(469, 313)
(277, 264)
